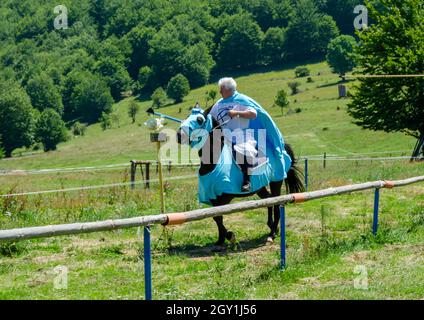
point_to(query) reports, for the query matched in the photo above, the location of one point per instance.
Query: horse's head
(195, 130)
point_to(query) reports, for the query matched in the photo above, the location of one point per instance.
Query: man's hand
(242, 114)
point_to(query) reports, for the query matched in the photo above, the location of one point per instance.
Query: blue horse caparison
(211, 144)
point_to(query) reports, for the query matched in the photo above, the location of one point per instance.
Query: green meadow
(331, 252)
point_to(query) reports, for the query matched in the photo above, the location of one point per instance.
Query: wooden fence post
(147, 174)
(325, 160)
(133, 168)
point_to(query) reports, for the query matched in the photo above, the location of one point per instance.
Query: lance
(151, 111)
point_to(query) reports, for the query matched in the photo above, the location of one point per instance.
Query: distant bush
(37, 146)
(79, 129)
(310, 80)
(294, 86)
(302, 72)
(114, 117)
(159, 97)
(105, 121)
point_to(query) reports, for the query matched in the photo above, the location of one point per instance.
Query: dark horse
(293, 183)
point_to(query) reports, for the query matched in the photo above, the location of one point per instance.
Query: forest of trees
(113, 47)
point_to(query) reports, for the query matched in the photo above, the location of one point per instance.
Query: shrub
(79, 129)
(302, 72)
(105, 121)
(159, 97)
(133, 110)
(294, 86)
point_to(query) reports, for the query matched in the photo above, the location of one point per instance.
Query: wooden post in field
(342, 91)
(134, 164)
(158, 138)
(147, 174)
(325, 160)
(133, 168)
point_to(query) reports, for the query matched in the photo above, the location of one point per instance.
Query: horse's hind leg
(275, 192)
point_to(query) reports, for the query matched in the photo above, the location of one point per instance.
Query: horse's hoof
(231, 236)
(270, 240)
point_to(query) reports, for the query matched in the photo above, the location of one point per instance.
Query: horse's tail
(294, 180)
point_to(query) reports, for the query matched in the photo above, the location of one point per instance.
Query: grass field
(328, 241)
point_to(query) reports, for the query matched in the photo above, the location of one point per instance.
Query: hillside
(322, 125)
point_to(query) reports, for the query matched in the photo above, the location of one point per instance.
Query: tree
(272, 46)
(44, 94)
(294, 86)
(50, 130)
(139, 38)
(309, 32)
(133, 110)
(340, 54)
(178, 88)
(240, 46)
(394, 45)
(196, 64)
(90, 98)
(1, 150)
(144, 79)
(281, 100)
(159, 97)
(116, 76)
(342, 12)
(211, 96)
(16, 117)
(165, 53)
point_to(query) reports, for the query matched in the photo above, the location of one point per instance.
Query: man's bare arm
(242, 114)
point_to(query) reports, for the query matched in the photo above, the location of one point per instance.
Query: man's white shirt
(234, 129)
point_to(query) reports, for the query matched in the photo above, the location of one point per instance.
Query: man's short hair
(228, 83)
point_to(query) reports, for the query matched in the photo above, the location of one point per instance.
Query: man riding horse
(248, 153)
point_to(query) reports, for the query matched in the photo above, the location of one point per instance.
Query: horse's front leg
(223, 233)
(264, 194)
